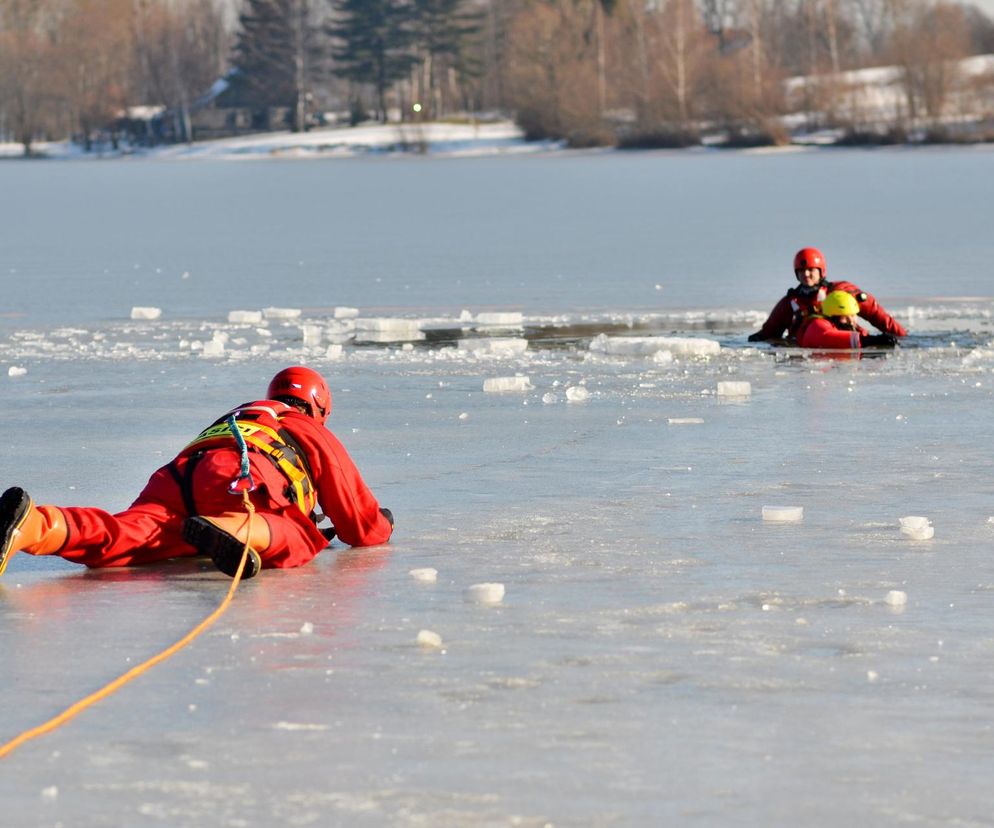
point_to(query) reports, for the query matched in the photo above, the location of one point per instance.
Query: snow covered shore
(496, 138)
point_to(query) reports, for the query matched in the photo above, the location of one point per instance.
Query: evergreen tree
(375, 40)
(277, 55)
(444, 34)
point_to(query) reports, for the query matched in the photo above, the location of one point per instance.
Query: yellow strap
(77, 708)
(275, 447)
(306, 499)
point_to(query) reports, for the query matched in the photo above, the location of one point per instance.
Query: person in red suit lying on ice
(277, 449)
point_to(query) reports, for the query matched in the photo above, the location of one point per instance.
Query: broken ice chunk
(734, 389)
(649, 345)
(245, 317)
(281, 313)
(500, 385)
(146, 313)
(507, 346)
(916, 527)
(488, 593)
(896, 598)
(577, 394)
(426, 574)
(783, 514)
(429, 639)
(499, 320)
(311, 334)
(214, 348)
(387, 329)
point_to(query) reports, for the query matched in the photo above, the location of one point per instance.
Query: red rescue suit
(820, 332)
(791, 311)
(198, 481)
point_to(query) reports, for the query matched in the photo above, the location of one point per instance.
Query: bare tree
(928, 41)
(92, 59)
(26, 50)
(181, 48)
(554, 75)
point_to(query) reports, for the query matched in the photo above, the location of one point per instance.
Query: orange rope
(134, 672)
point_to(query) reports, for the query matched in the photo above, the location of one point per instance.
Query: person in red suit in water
(189, 507)
(837, 326)
(812, 288)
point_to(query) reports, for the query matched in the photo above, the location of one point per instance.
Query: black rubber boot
(224, 549)
(15, 503)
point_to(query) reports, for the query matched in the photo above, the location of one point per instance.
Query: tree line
(625, 72)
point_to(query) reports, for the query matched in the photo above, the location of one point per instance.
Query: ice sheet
(661, 656)
(647, 606)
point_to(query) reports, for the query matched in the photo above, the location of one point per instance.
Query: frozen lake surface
(662, 655)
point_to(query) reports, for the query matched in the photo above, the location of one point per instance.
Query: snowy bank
(436, 139)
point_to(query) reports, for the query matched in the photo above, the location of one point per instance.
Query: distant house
(220, 112)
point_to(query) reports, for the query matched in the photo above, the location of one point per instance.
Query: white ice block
(429, 639)
(214, 348)
(783, 514)
(500, 385)
(426, 574)
(684, 420)
(384, 324)
(577, 394)
(146, 313)
(896, 598)
(500, 320)
(387, 329)
(914, 522)
(311, 334)
(16, 371)
(916, 527)
(281, 313)
(488, 593)
(334, 351)
(346, 313)
(245, 317)
(734, 389)
(503, 346)
(649, 345)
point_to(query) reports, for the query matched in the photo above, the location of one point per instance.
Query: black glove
(757, 337)
(388, 515)
(329, 533)
(880, 340)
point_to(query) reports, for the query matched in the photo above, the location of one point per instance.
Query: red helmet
(306, 385)
(809, 257)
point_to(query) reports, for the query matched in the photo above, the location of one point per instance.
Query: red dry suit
(788, 314)
(302, 466)
(820, 332)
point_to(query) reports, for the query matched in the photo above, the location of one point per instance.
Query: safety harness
(259, 426)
